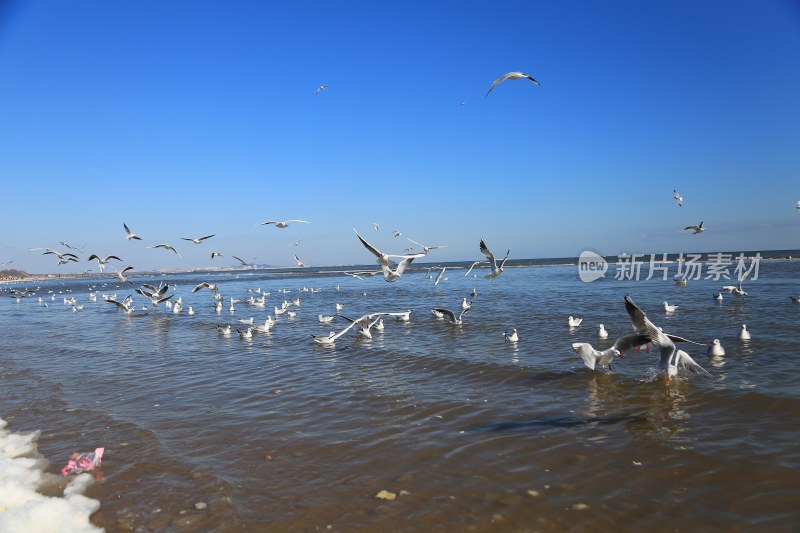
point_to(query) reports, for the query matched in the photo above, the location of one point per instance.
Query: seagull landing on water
(671, 359)
(510, 76)
(451, 316)
(282, 223)
(129, 234)
(696, 229)
(496, 269)
(678, 197)
(592, 357)
(197, 240)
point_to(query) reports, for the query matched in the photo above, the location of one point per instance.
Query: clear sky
(186, 118)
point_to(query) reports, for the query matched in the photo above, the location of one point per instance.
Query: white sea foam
(22, 508)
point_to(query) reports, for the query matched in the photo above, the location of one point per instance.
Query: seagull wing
(377, 253)
(486, 252)
(623, 344)
(451, 315)
(402, 265)
(686, 361)
(587, 353)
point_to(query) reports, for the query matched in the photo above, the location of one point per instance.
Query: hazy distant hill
(13, 274)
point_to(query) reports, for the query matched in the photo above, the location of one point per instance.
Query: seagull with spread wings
(496, 269)
(129, 234)
(283, 223)
(197, 240)
(510, 76)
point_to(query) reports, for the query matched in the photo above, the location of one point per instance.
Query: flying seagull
(510, 76)
(321, 88)
(101, 263)
(473, 265)
(242, 261)
(283, 223)
(425, 249)
(697, 229)
(197, 240)
(383, 259)
(496, 270)
(129, 234)
(678, 197)
(215, 254)
(299, 263)
(166, 247)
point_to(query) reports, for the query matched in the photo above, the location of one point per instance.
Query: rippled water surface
(471, 432)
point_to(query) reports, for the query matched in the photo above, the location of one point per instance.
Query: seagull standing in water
(671, 359)
(516, 75)
(696, 229)
(496, 269)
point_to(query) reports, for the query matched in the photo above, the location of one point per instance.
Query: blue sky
(186, 119)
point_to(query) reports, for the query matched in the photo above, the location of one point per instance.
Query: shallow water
(473, 433)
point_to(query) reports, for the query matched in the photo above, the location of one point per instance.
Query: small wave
(22, 506)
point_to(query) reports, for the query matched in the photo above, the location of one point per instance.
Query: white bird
(324, 319)
(439, 277)
(121, 274)
(451, 316)
(224, 331)
(696, 229)
(795, 299)
(101, 263)
(425, 249)
(330, 339)
(248, 321)
(405, 316)
(715, 349)
(215, 254)
(166, 247)
(465, 304)
(511, 337)
(574, 322)
(376, 226)
(592, 357)
(473, 265)
(798, 205)
(365, 324)
(718, 296)
(198, 240)
(191, 311)
(246, 334)
(669, 308)
(299, 263)
(602, 333)
(129, 234)
(383, 259)
(437, 313)
(496, 270)
(397, 233)
(744, 334)
(266, 326)
(737, 289)
(474, 293)
(283, 223)
(671, 359)
(678, 197)
(128, 309)
(321, 88)
(516, 75)
(205, 285)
